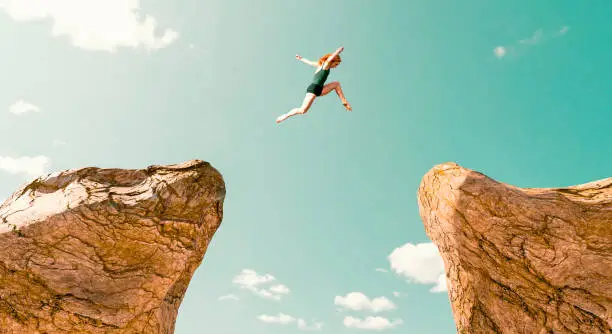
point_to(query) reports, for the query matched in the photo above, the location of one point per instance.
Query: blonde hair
(333, 63)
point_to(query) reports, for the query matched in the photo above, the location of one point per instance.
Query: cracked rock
(105, 250)
(521, 260)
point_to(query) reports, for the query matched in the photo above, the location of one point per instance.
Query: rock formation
(105, 250)
(521, 260)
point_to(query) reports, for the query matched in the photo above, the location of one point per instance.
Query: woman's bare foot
(347, 106)
(281, 118)
(292, 112)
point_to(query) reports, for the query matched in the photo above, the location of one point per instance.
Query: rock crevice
(521, 260)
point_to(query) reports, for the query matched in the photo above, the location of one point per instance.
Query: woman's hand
(340, 49)
(298, 57)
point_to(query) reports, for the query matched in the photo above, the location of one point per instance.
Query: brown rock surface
(105, 250)
(521, 260)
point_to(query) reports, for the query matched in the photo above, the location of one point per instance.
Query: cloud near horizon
(358, 301)
(420, 263)
(252, 281)
(229, 297)
(94, 25)
(371, 323)
(284, 319)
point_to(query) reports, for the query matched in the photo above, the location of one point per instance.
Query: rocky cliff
(105, 250)
(521, 260)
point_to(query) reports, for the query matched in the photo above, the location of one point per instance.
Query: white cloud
(396, 294)
(538, 37)
(249, 277)
(534, 39)
(499, 51)
(280, 289)
(357, 301)
(265, 294)
(371, 323)
(381, 270)
(229, 297)
(281, 319)
(440, 285)
(33, 166)
(94, 24)
(250, 280)
(420, 263)
(303, 325)
(284, 319)
(23, 107)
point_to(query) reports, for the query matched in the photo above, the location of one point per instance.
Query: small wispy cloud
(252, 281)
(499, 51)
(538, 37)
(281, 318)
(534, 39)
(371, 323)
(229, 297)
(357, 301)
(314, 326)
(32, 166)
(285, 319)
(381, 270)
(22, 107)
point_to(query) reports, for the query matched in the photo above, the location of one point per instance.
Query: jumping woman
(318, 86)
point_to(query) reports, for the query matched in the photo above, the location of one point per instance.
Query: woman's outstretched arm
(306, 61)
(329, 60)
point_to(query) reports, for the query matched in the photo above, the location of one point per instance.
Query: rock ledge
(521, 260)
(96, 250)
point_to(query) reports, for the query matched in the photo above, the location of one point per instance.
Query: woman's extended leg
(336, 86)
(301, 110)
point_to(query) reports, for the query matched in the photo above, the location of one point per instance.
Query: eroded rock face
(105, 250)
(521, 260)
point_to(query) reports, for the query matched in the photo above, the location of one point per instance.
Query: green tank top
(320, 77)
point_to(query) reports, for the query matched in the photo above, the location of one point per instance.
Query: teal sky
(319, 201)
